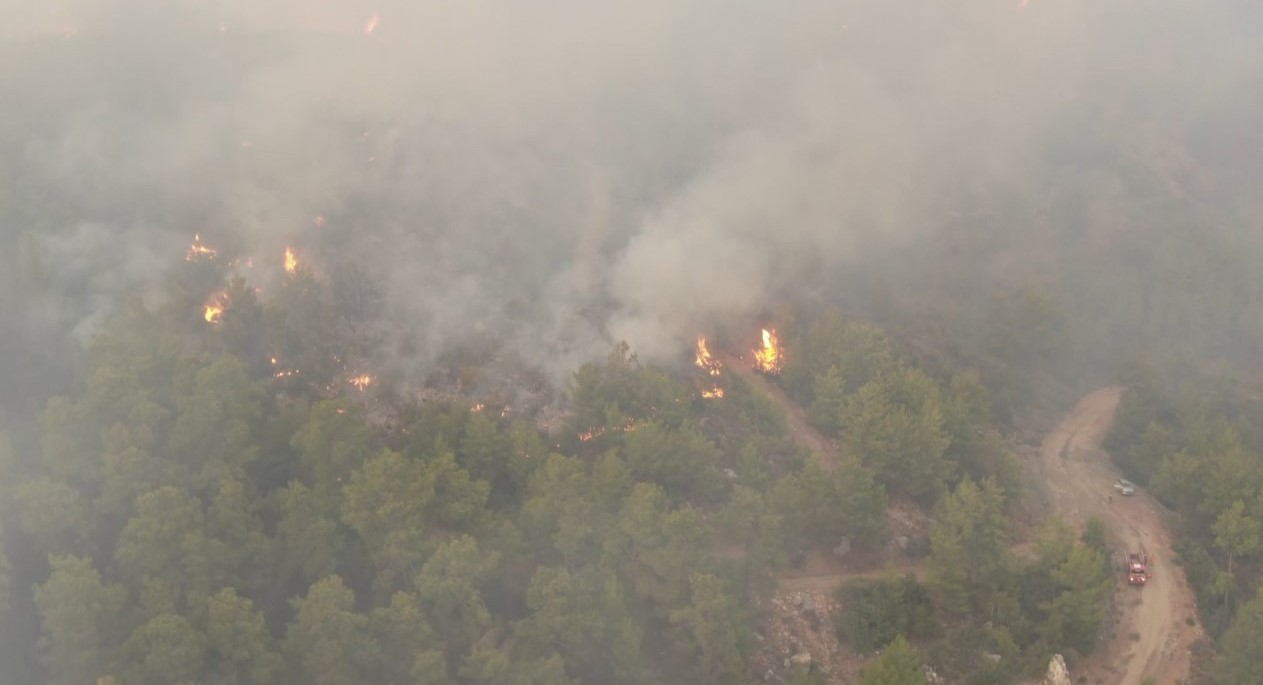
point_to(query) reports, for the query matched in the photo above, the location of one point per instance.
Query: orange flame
(478, 407)
(362, 381)
(592, 433)
(703, 360)
(197, 250)
(214, 311)
(768, 359)
(291, 262)
(371, 24)
(714, 393)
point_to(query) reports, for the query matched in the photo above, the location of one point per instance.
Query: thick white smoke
(559, 175)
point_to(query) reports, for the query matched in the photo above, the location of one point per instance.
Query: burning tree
(768, 358)
(213, 311)
(703, 360)
(198, 251)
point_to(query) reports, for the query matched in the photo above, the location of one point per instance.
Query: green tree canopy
(332, 443)
(166, 649)
(310, 537)
(656, 548)
(237, 536)
(1236, 533)
(239, 648)
(407, 641)
(448, 587)
(682, 461)
(586, 619)
(54, 513)
(560, 511)
(387, 502)
(488, 455)
(164, 545)
(217, 414)
(79, 618)
(895, 424)
(709, 632)
(898, 665)
(328, 643)
(969, 544)
(1074, 617)
(1241, 657)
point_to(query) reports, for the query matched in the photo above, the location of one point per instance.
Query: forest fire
(214, 310)
(197, 250)
(714, 393)
(371, 24)
(768, 359)
(291, 261)
(361, 382)
(628, 426)
(703, 360)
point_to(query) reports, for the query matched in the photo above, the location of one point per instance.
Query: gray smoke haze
(563, 174)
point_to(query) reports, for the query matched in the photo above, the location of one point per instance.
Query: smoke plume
(560, 175)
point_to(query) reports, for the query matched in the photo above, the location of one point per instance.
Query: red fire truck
(1136, 566)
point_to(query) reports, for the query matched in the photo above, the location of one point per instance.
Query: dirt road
(1153, 628)
(1156, 625)
(1152, 638)
(795, 415)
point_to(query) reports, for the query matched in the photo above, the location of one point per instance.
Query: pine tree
(898, 665)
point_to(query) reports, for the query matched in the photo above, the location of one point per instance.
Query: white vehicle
(1125, 487)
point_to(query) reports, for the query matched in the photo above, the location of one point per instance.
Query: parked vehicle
(1125, 487)
(1136, 566)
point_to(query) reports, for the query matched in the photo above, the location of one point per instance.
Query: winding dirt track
(1151, 638)
(1156, 625)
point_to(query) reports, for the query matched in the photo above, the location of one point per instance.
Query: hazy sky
(512, 167)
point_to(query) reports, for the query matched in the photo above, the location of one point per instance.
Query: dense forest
(221, 501)
(368, 344)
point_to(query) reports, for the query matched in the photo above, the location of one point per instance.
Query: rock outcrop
(1057, 672)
